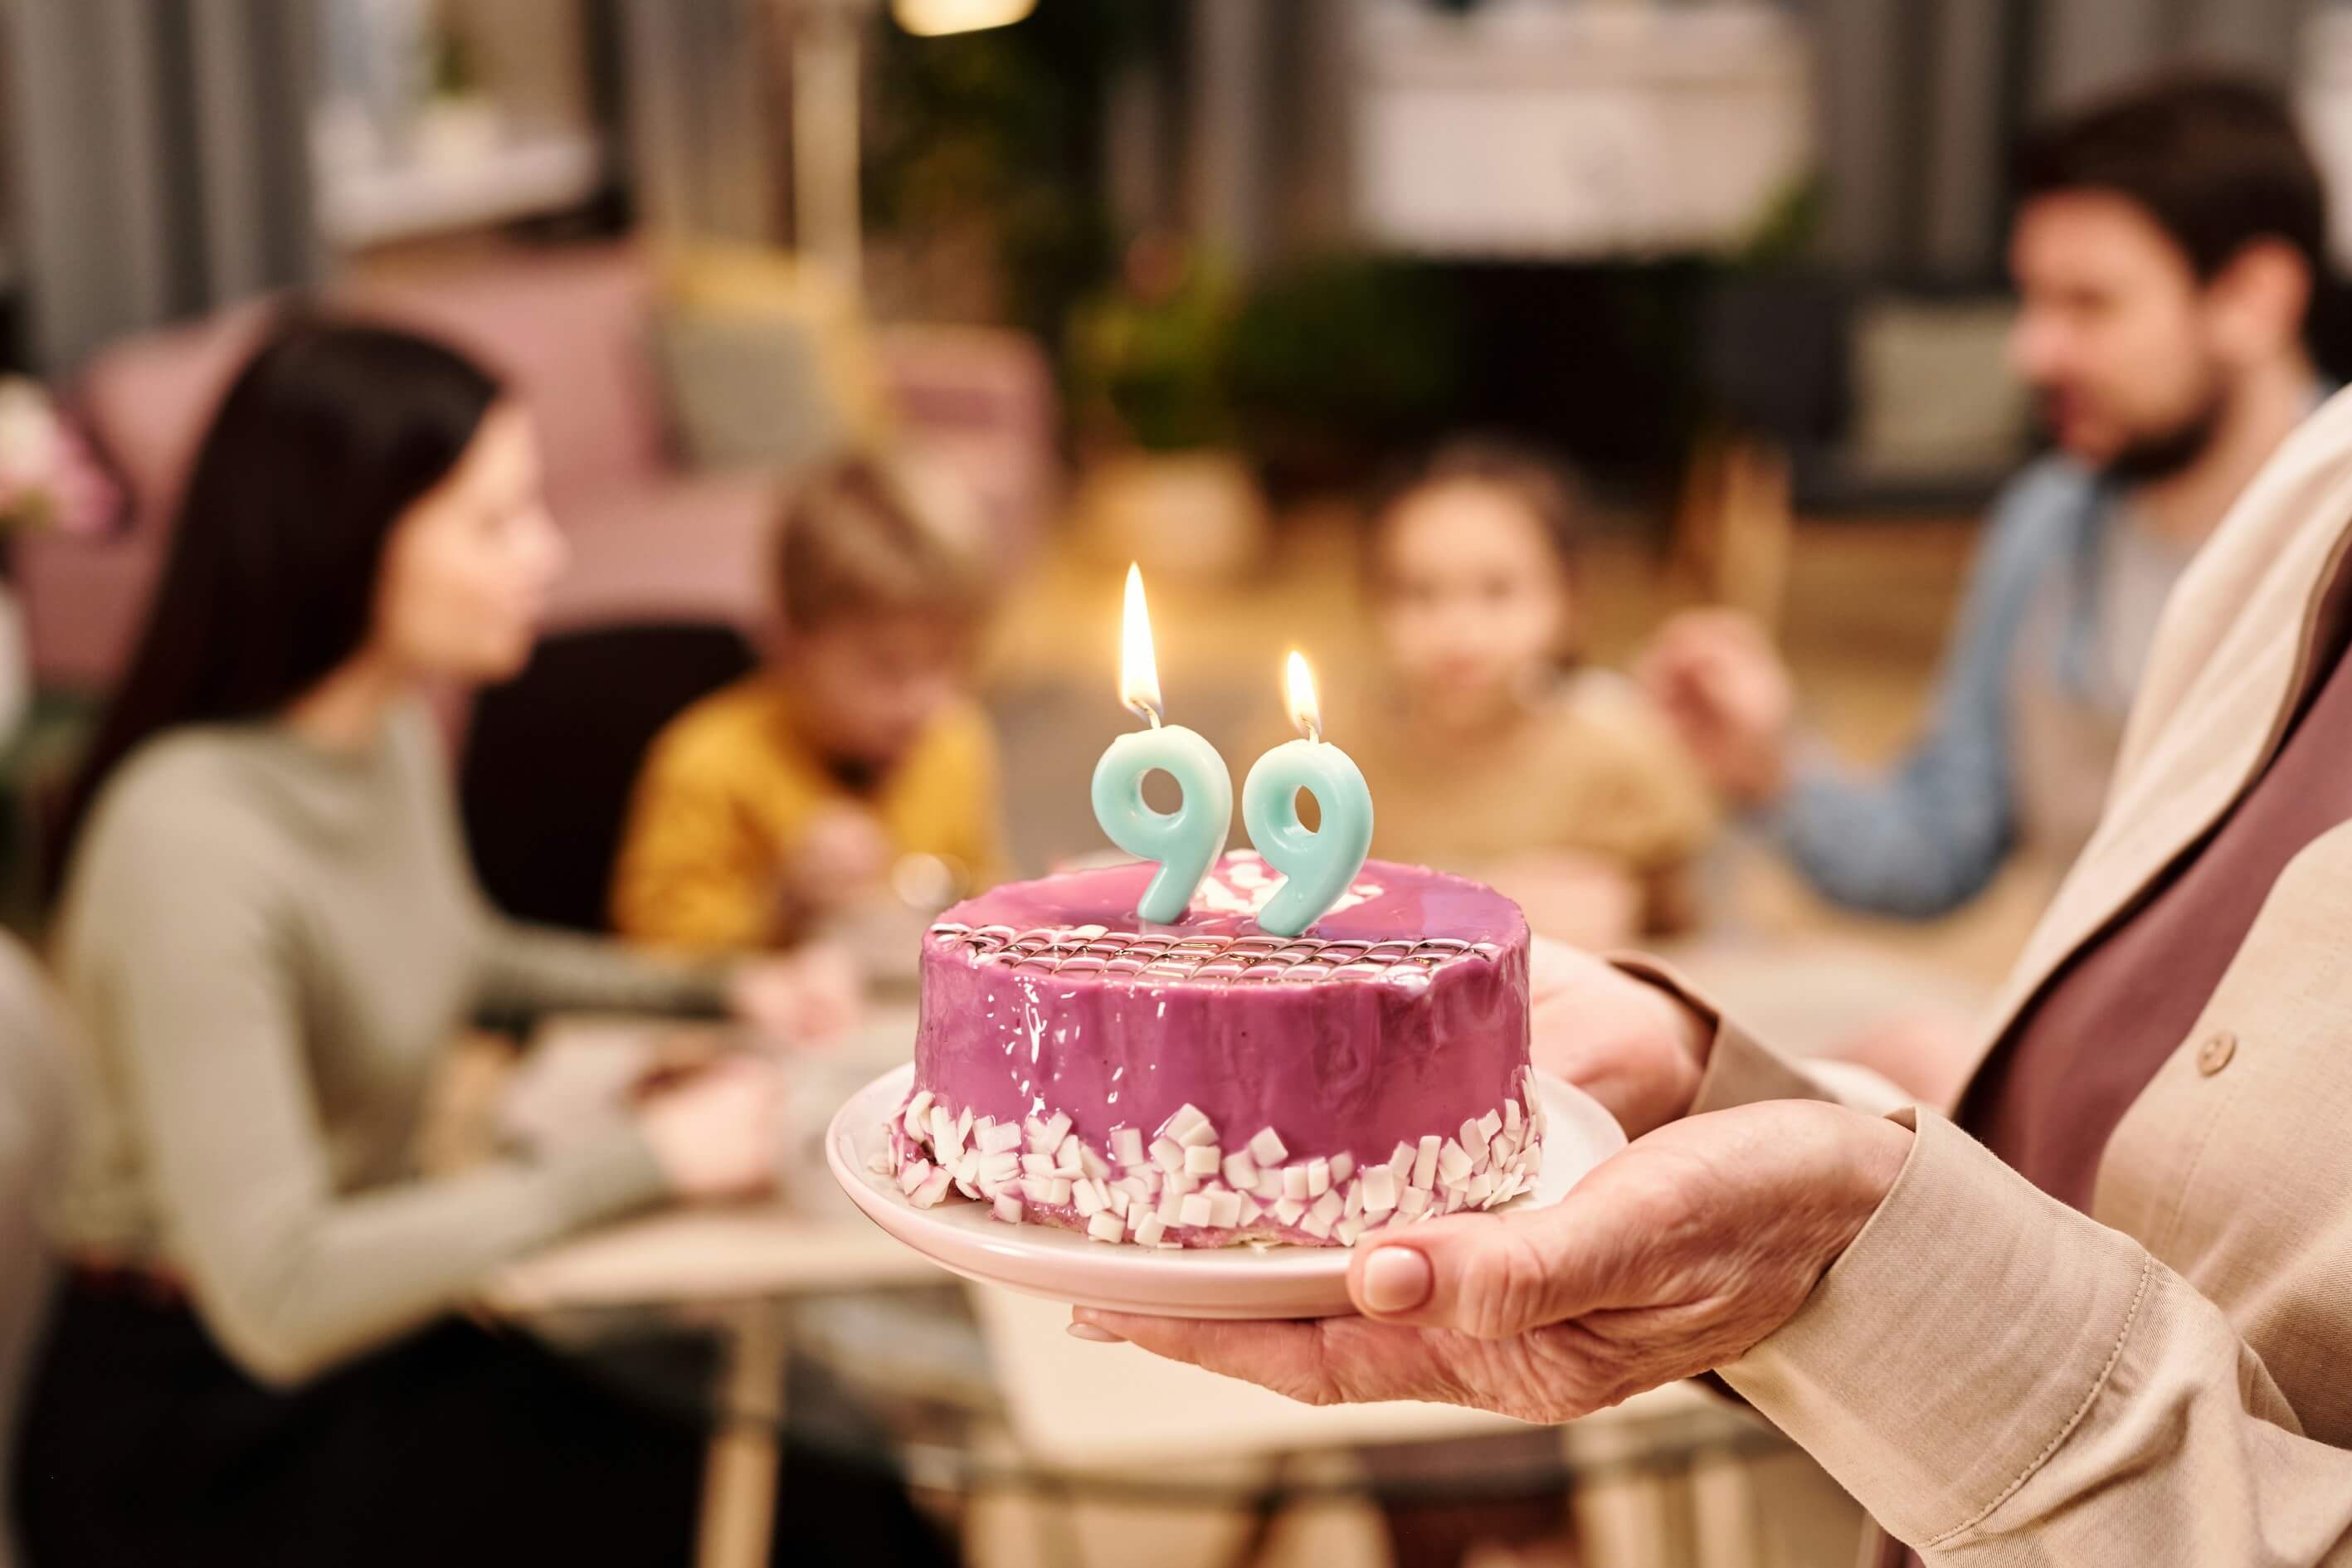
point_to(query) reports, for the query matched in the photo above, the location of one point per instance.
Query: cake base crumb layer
(1190, 1185)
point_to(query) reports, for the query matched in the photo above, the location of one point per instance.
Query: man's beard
(2150, 458)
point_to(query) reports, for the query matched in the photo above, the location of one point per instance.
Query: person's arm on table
(1998, 1378)
(292, 1273)
(1930, 835)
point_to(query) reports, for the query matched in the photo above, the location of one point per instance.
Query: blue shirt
(1931, 835)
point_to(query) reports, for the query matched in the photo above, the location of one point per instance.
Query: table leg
(740, 1471)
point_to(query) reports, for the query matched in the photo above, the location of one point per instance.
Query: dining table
(790, 1324)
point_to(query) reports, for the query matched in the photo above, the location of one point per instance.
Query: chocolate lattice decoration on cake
(1219, 960)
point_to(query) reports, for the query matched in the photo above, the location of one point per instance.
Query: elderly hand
(1670, 1259)
(1629, 1044)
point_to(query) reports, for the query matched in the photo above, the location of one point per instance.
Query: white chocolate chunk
(1424, 1163)
(1093, 1165)
(1008, 1209)
(1379, 1184)
(1343, 1165)
(1293, 1182)
(1149, 1233)
(1533, 1157)
(1120, 1198)
(1326, 1208)
(1511, 1117)
(963, 1125)
(1203, 1160)
(1269, 1185)
(1400, 1161)
(1289, 1211)
(1087, 1201)
(934, 1188)
(1481, 1188)
(1105, 1226)
(1241, 1171)
(1133, 1186)
(997, 1136)
(1355, 1201)
(1318, 1177)
(943, 1129)
(1224, 1210)
(918, 1113)
(1474, 1143)
(1167, 1154)
(1183, 1182)
(1195, 1210)
(1453, 1163)
(1490, 1125)
(1056, 1130)
(1267, 1149)
(1349, 1232)
(1171, 1208)
(1316, 1225)
(1035, 1164)
(1412, 1201)
(1250, 1214)
(1065, 1156)
(915, 1174)
(995, 1170)
(1126, 1146)
(1179, 1128)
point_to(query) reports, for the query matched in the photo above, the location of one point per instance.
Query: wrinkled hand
(1718, 680)
(1673, 1259)
(810, 998)
(1626, 1043)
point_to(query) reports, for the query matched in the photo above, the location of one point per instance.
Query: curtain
(706, 112)
(161, 166)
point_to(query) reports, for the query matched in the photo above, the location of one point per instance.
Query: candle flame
(1304, 710)
(1138, 670)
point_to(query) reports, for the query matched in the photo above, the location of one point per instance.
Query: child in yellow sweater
(853, 774)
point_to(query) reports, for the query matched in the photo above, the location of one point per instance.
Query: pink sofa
(569, 331)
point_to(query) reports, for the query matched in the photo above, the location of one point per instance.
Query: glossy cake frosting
(1206, 1082)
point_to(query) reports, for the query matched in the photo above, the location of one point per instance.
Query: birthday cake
(1207, 1083)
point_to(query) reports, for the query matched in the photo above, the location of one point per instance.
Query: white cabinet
(1552, 129)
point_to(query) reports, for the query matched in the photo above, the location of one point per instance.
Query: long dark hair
(331, 432)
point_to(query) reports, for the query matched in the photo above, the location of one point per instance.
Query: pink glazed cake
(1206, 1083)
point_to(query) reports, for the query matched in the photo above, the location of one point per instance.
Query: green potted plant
(1149, 358)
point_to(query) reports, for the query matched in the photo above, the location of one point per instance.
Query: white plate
(1224, 1282)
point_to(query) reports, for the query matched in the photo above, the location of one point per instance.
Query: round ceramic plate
(1224, 1282)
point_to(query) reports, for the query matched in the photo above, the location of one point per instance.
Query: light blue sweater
(1929, 837)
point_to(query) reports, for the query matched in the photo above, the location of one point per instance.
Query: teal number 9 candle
(1187, 841)
(1318, 864)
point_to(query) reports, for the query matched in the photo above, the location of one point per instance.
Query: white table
(730, 1268)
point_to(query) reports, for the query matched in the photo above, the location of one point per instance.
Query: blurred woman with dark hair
(270, 932)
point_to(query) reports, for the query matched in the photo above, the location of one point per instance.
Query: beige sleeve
(2005, 1383)
(201, 1000)
(1741, 1069)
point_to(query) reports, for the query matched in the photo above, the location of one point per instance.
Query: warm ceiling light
(931, 18)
